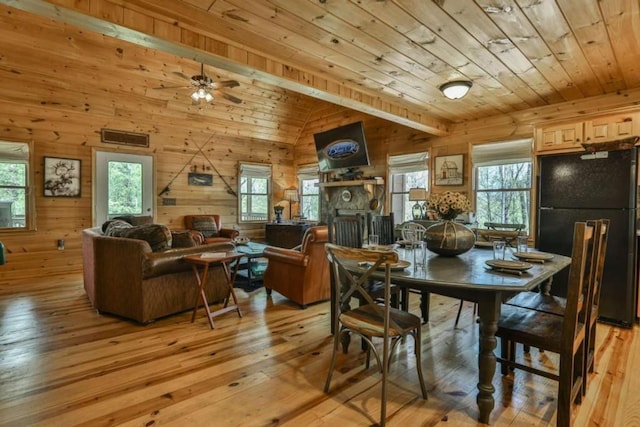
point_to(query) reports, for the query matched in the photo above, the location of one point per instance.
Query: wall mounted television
(344, 147)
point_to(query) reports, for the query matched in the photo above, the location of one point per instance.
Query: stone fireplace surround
(361, 201)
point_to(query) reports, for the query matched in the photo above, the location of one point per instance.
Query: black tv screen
(342, 147)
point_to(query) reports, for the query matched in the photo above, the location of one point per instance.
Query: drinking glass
(523, 244)
(498, 249)
(419, 254)
(373, 240)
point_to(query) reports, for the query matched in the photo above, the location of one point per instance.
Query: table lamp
(291, 195)
(417, 195)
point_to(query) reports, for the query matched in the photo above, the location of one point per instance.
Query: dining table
(468, 277)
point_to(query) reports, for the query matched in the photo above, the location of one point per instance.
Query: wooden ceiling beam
(114, 20)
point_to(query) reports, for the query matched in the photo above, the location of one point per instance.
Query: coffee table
(251, 251)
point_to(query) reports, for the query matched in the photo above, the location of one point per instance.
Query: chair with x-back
(352, 269)
(348, 230)
(564, 335)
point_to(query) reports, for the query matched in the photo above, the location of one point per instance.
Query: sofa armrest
(229, 233)
(286, 256)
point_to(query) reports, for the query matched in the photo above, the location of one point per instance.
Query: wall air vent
(112, 136)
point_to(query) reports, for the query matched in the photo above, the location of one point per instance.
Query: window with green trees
(254, 189)
(503, 194)
(503, 175)
(407, 171)
(125, 188)
(15, 198)
(309, 184)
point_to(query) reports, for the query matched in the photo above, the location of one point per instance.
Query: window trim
(260, 170)
(30, 201)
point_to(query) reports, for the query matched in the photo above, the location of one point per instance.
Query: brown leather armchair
(302, 276)
(195, 224)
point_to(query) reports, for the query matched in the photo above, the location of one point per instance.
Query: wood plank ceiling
(384, 57)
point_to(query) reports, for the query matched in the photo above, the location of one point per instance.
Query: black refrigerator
(579, 187)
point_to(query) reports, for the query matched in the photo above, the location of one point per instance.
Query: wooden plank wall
(59, 86)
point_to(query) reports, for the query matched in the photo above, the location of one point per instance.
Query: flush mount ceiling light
(456, 89)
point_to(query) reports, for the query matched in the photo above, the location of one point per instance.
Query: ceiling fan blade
(229, 97)
(181, 74)
(171, 87)
(226, 83)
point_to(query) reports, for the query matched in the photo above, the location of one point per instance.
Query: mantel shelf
(368, 184)
(355, 182)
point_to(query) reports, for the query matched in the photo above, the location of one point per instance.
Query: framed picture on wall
(449, 170)
(61, 177)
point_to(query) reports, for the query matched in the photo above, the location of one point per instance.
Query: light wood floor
(63, 364)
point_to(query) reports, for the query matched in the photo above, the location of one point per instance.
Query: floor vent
(124, 138)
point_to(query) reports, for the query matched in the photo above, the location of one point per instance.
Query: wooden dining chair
(372, 319)
(348, 230)
(554, 304)
(564, 335)
(416, 231)
(382, 226)
(594, 302)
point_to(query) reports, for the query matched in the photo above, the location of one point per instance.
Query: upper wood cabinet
(571, 136)
(611, 127)
(559, 137)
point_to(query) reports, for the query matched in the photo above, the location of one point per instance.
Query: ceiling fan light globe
(456, 89)
(202, 93)
(208, 97)
(195, 96)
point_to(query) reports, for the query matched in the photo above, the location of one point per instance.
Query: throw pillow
(206, 225)
(157, 235)
(112, 227)
(182, 239)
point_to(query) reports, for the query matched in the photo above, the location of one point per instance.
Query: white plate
(533, 256)
(508, 265)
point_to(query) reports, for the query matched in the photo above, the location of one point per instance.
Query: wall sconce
(456, 89)
(418, 195)
(291, 196)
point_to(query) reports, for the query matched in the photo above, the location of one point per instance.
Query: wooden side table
(205, 260)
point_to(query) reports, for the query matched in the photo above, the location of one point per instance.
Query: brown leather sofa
(193, 224)
(302, 276)
(122, 276)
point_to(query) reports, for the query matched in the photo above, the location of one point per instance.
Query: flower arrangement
(449, 204)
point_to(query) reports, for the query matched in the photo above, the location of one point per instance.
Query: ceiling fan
(204, 88)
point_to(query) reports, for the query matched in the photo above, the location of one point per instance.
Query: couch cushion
(157, 235)
(206, 225)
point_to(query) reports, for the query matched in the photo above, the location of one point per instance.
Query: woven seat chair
(370, 320)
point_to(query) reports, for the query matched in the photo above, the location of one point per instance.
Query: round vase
(449, 238)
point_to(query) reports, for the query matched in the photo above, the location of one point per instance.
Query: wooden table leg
(489, 311)
(201, 280)
(230, 276)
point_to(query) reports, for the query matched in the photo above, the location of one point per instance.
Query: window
(255, 183)
(406, 171)
(124, 185)
(309, 184)
(16, 198)
(503, 182)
